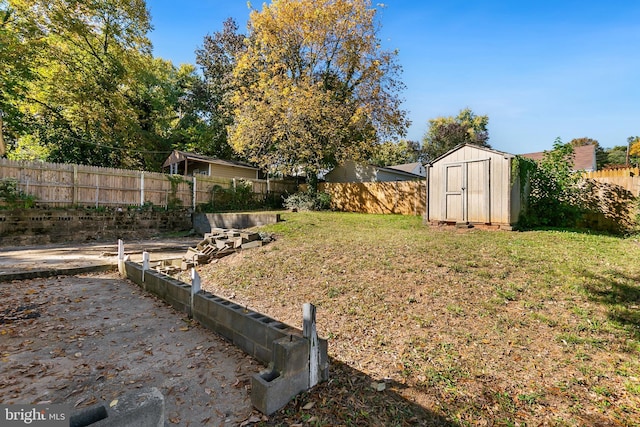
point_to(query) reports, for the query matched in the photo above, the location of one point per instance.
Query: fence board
(399, 197)
(628, 178)
(62, 185)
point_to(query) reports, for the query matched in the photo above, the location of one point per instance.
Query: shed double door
(467, 192)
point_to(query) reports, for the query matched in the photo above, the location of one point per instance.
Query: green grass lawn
(465, 327)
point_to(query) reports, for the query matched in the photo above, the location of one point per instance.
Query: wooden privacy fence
(628, 178)
(398, 197)
(63, 185)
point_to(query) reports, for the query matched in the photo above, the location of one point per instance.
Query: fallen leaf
(251, 420)
(113, 403)
(208, 390)
(184, 328)
(378, 386)
(308, 406)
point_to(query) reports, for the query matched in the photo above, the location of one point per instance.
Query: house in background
(584, 158)
(187, 164)
(471, 184)
(415, 168)
(352, 171)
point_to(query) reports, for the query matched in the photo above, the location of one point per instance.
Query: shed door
(453, 192)
(467, 192)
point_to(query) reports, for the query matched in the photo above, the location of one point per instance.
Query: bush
(560, 197)
(308, 201)
(13, 197)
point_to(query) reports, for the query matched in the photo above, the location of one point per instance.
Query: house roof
(180, 156)
(478, 147)
(584, 157)
(407, 167)
(398, 171)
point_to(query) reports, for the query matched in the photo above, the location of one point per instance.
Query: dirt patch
(86, 339)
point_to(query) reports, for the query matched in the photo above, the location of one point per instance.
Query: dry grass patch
(472, 327)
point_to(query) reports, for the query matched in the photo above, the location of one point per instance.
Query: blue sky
(539, 69)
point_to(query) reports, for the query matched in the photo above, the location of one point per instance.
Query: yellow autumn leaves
(313, 86)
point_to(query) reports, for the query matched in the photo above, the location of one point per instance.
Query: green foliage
(13, 197)
(208, 104)
(237, 198)
(308, 201)
(445, 133)
(174, 202)
(553, 194)
(391, 153)
(559, 197)
(313, 87)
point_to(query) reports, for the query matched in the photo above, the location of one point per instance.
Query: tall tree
(601, 156)
(616, 156)
(217, 60)
(95, 52)
(313, 87)
(20, 52)
(391, 153)
(633, 143)
(445, 133)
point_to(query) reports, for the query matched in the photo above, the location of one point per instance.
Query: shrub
(13, 197)
(560, 197)
(308, 201)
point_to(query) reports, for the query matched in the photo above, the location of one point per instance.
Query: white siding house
(352, 171)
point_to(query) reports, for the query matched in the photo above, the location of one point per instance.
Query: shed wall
(501, 207)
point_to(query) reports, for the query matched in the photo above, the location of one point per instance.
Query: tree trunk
(3, 148)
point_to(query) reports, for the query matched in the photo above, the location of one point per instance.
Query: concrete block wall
(273, 343)
(203, 222)
(253, 332)
(29, 226)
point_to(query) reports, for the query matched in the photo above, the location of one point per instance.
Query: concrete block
(273, 389)
(253, 244)
(249, 236)
(222, 243)
(246, 344)
(201, 306)
(143, 408)
(263, 354)
(290, 355)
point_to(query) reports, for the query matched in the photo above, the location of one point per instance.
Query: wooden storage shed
(473, 185)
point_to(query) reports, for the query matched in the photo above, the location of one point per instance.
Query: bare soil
(87, 339)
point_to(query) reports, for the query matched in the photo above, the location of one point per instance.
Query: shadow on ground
(620, 292)
(348, 398)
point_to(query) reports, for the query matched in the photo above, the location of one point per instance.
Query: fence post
(145, 263)
(309, 332)
(195, 288)
(75, 185)
(195, 192)
(121, 257)
(141, 188)
(97, 189)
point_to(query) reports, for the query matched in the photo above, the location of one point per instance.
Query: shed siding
(488, 187)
